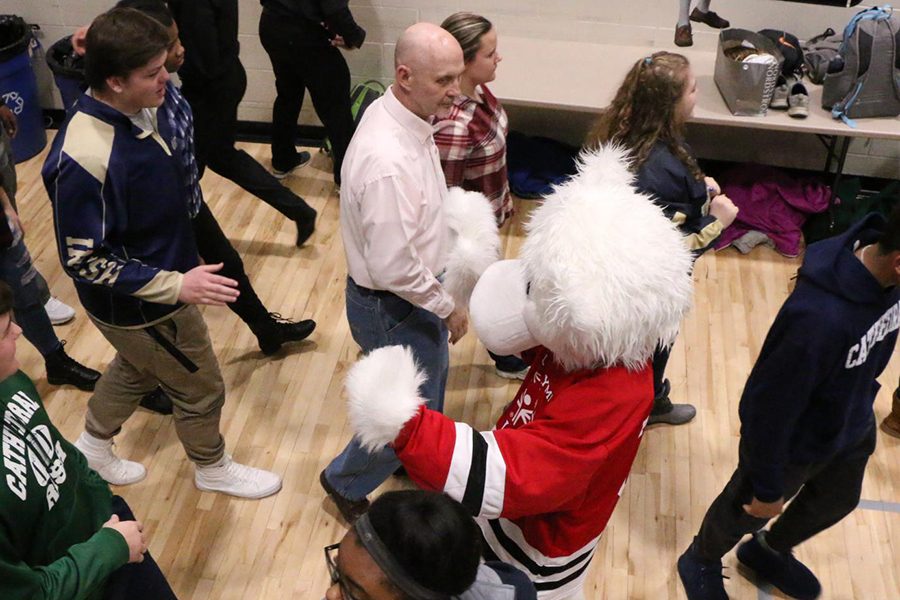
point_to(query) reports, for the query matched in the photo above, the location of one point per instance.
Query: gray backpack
(869, 83)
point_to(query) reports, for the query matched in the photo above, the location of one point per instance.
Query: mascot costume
(602, 279)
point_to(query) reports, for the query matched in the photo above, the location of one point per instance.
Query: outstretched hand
(201, 285)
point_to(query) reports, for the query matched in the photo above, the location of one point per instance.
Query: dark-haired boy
(122, 217)
(807, 425)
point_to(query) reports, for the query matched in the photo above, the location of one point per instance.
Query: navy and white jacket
(120, 211)
(811, 391)
(683, 199)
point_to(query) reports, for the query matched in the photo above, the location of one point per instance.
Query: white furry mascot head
(603, 276)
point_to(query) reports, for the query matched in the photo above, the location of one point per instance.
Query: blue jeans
(380, 319)
(17, 270)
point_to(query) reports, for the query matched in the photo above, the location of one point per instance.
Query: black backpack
(790, 49)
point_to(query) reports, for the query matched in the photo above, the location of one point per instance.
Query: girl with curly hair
(648, 116)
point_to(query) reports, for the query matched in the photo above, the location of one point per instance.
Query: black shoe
(780, 569)
(275, 331)
(349, 509)
(63, 369)
(280, 171)
(710, 18)
(297, 210)
(305, 229)
(702, 579)
(157, 401)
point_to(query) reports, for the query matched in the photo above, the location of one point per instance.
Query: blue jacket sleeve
(681, 197)
(84, 216)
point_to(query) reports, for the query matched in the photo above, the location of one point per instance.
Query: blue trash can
(18, 86)
(68, 71)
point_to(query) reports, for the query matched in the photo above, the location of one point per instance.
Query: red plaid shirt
(472, 143)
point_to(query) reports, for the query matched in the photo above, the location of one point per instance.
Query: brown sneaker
(710, 18)
(891, 423)
(683, 36)
(349, 509)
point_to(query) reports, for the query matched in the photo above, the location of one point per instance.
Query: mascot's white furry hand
(474, 241)
(383, 394)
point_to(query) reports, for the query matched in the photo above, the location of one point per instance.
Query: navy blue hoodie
(811, 391)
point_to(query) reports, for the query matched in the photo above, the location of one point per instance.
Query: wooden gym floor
(287, 413)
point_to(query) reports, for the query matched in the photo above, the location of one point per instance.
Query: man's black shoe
(63, 369)
(157, 401)
(280, 171)
(349, 509)
(275, 331)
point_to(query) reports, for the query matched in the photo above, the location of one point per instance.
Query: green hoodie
(52, 506)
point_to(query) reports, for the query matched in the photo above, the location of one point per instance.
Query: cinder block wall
(649, 22)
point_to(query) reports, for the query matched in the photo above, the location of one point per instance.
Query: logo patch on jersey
(27, 448)
(536, 389)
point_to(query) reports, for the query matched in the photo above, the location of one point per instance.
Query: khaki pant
(141, 363)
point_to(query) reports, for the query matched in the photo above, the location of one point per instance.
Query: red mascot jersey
(545, 482)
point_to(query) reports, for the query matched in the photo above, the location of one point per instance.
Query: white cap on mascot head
(603, 276)
(602, 279)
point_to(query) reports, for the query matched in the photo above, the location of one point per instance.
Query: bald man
(393, 228)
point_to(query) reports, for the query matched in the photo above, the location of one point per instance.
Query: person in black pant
(302, 38)
(214, 82)
(807, 425)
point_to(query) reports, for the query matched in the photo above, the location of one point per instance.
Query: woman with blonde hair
(472, 136)
(648, 117)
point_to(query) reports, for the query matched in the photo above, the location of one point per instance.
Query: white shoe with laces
(59, 312)
(235, 479)
(103, 460)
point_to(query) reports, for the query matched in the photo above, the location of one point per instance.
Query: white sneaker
(58, 311)
(798, 101)
(101, 458)
(235, 479)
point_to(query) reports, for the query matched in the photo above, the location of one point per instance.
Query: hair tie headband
(648, 60)
(385, 560)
